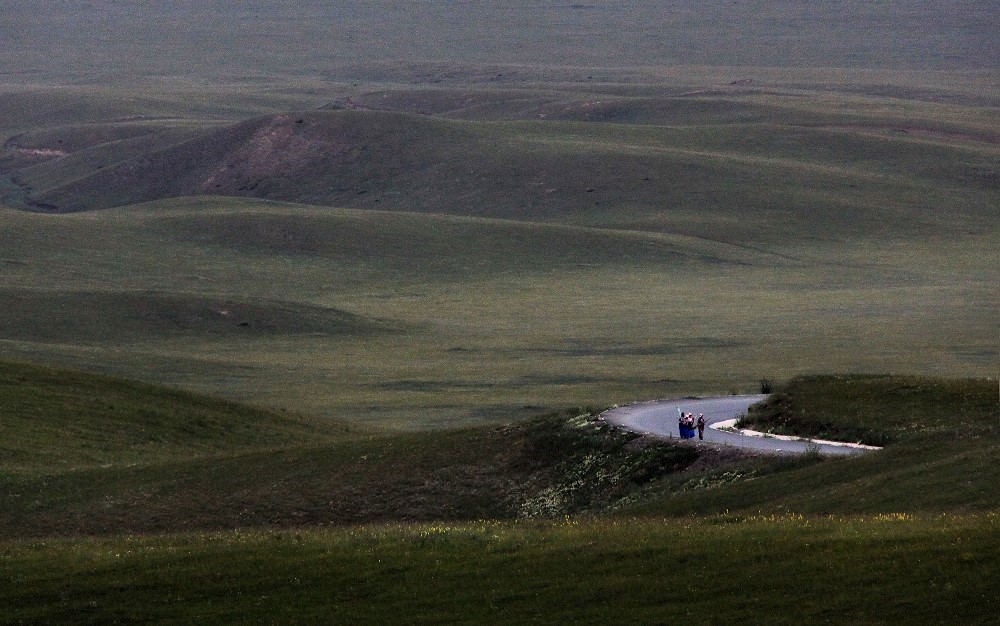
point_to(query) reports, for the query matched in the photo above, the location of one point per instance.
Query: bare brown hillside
(284, 157)
(717, 159)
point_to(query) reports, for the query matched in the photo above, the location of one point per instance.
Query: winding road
(659, 419)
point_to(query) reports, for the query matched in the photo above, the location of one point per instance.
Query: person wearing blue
(685, 425)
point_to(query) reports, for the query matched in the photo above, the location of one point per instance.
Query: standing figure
(701, 426)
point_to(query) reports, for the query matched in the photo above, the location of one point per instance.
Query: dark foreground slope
(922, 550)
(92, 455)
(86, 455)
(773, 570)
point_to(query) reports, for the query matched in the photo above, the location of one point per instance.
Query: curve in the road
(659, 419)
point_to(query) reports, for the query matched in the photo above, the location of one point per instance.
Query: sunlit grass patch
(785, 567)
(880, 409)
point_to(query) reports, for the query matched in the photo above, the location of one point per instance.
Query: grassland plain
(416, 321)
(525, 226)
(259, 39)
(599, 173)
(785, 223)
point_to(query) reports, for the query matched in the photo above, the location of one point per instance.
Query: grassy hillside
(840, 175)
(416, 321)
(721, 536)
(91, 455)
(892, 569)
(85, 454)
(108, 318)
(400, 238)
(880, 408)
(57, 420)
(649, 232)
(942, 438)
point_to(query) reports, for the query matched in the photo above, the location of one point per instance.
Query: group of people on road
(688, 423)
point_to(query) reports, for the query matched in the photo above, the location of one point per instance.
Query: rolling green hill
(840, 176)
(86, 454)
(57, 420)
(423, 512)
(96, 318)
(941, 438)
(294, 296)
(415, 321)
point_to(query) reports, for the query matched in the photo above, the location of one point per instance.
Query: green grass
(889, 569)
(594, 174)
(57, 420)
(416, 321)
(941, 436)
(461, 475)
(107, 318)
(86, 454)
(931, 477)
(662, 234)
(91, 148)
(420, 535)
(92, 455)
(662, 230)
(880, 409)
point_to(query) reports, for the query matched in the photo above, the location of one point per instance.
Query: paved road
(659, 418)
